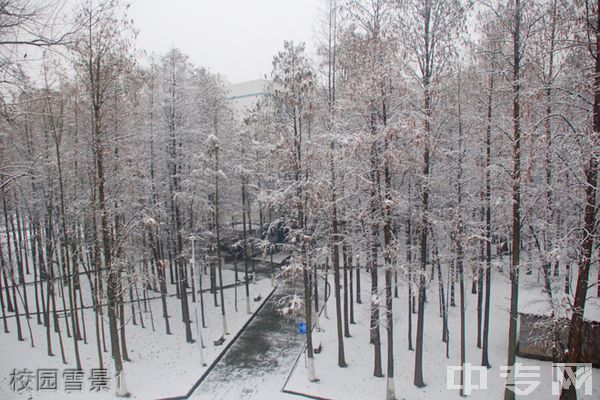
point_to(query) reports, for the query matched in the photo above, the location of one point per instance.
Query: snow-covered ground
(161, 365)
(268, 357)
(357, 382)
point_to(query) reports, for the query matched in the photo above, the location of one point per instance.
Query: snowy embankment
(161, 365)
(356, 381)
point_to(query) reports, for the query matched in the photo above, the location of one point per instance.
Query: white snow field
(161, 365)
(356, 381)
(267, 360)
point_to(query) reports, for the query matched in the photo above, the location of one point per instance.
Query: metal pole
(198, 329)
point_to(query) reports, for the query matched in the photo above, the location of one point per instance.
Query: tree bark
(590, 223)
(516, 203)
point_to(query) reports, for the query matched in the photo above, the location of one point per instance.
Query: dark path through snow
(257, 365)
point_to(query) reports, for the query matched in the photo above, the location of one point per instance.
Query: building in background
(246, 95)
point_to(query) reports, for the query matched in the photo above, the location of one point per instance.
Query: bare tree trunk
(374, 188)
(516, 198)
(390, 387)
(387, 258)
(123, 323)
(351, 285)
(36, 269)
(459, 244)
(47, 316)
(409, 280)
(335, 258)
(56, 320)
(112, 281)
(19, 243)
(480, 293)
(442, 294)
(358, 298)
(16, 308)
(245, 233)
(488, 227)
(97, 285)
(77, 287)
(218, 237)
(9, 304)
(65, 248)
(590, 221)
(308, 315)
(424, 228)
(4, 322)
(162, 279)
(10, 269)
(549, 234)
(461, 273)
(4, 266)
(346, 305)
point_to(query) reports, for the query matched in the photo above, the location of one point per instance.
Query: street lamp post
(198, 329)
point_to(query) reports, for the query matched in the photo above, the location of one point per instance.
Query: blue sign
(302, 328)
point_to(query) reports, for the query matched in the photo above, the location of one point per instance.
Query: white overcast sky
(234, 38)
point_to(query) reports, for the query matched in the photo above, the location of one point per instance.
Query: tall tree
(101, 56)
(590, 39)
(509, 393)
(294, 87)
(332, 32)
(429, 29)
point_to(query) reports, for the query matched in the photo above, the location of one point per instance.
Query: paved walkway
(257, 365)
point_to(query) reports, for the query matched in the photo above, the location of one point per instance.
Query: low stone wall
(541, 337)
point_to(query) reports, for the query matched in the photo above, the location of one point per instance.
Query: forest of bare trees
(423, 140)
